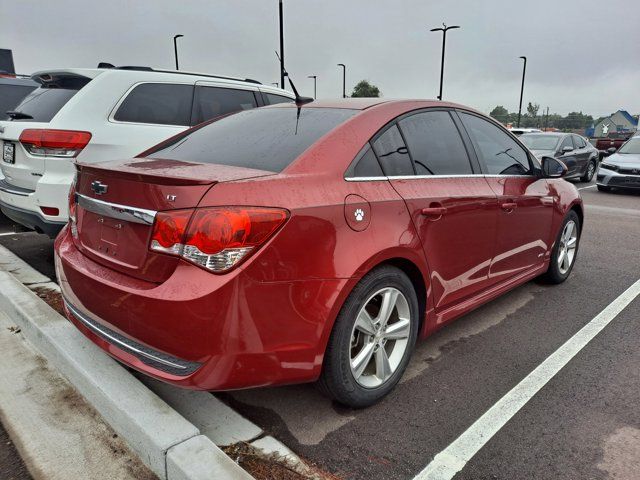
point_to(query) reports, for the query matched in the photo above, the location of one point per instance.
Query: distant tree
(532, 109)
(365, 89)
(500, 113)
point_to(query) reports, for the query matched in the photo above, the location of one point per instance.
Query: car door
(452, 207)
(569, 158)
(524, 199)
(581, 153)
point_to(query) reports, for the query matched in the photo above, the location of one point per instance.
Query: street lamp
(344, 79)
(281, 44)
(444, 41)
(524, 70)
(175, 47)
(315, 79)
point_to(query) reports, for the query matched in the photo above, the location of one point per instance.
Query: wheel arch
(408, 261)
(576, 207)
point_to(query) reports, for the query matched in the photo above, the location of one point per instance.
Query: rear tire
(370, 345)
(602, 188)
(590, 172)
(565, 249)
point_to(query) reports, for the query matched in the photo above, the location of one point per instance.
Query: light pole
(281, 44)
(344, 80)
(444, 42)
(524, 70)
(315, 79)
(175, 47)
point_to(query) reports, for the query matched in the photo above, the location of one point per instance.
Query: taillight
(216, 238)
(73, 208)
(54, 143)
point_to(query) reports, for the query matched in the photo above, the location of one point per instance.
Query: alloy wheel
(591, 170)
(567, 247)
(380, 337)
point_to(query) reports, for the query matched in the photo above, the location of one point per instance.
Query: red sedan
(309, 243)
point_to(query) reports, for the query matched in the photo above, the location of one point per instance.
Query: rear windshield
(540, 142)
(10, 96)
(45, 102)
(263, 138)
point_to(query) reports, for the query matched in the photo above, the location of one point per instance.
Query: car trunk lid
(117, 203)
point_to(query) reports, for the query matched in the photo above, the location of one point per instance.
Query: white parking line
(10, 233)
(588, 186)
(453, 458)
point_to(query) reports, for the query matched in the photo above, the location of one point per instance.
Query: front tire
(565, 249)
(590, 172)
(372, 339)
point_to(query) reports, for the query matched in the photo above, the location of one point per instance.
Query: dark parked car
(291, 244)
(580, 157)
(12, 90)
(622, 169)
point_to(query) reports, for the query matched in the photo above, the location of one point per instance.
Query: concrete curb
(165, 441)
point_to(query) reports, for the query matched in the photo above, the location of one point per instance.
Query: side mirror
(553, 168)
(567, 149)
(611, 150)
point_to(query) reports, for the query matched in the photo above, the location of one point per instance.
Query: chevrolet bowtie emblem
(98, 187)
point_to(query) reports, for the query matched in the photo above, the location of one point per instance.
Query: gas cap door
(357, 212)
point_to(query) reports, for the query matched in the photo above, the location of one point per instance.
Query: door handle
(508, 206)
(434, 211)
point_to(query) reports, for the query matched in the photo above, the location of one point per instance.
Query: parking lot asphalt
(584, 423)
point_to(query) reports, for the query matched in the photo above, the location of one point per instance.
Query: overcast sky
(582, 55)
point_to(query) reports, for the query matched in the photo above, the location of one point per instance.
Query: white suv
(92, 115)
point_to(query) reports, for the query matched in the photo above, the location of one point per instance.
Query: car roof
(365, 103)
(147, 74)
(553, 134)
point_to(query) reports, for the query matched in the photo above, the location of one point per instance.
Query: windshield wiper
(19, 115)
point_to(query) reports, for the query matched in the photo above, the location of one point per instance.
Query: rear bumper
(32, 220)
(228, 331)
(23, 205)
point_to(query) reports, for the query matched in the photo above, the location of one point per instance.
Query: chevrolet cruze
(302, 243)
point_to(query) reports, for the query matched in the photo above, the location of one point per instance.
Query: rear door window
(365, 165)
(10, 96)
(578, 141)
(211, 102)
(157, 103)
(272, 99)
(43, 103)
(393, 153)
(435, 144)
(260, 138)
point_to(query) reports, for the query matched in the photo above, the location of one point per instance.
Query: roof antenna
(299, 100)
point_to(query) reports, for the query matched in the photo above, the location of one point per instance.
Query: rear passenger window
(212, 102)
(393, 153)
(158, 103)
(366, 165)
(272, 99)
(579, 141)
(498, 151)
(435, 144)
